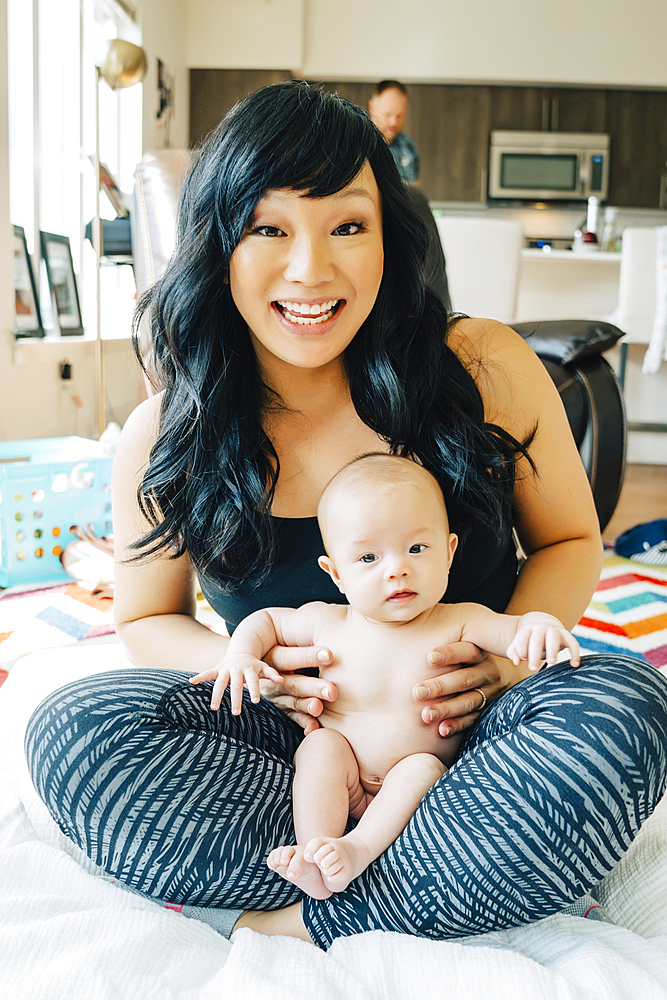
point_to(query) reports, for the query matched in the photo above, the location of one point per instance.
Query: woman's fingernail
(326, 693)
(432, 715)
(445, 731)
(323, 656)
(421, 691)
(436, 656)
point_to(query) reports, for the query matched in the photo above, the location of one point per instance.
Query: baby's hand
(235, 670)
(541, 638)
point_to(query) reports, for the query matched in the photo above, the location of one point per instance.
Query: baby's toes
(280, 857)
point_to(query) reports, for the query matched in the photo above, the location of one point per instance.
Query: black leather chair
(571, 351)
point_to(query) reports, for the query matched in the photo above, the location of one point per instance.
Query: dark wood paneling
(451, 123)
(514, 108)
(637, 123)
(214, 91)
(578, 110)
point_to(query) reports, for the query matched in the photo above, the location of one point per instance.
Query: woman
(292, 333)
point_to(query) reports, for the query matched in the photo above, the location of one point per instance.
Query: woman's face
(307, 271)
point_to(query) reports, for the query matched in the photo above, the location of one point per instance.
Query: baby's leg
(342, 859)
(326, 785)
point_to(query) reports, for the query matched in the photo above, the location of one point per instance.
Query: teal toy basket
(48, 486)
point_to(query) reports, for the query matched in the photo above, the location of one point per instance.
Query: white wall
(33, 400)
(245, 34)
(522, 41)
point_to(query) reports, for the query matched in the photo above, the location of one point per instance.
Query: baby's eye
(414, 549)
(266, 231)
(349, 229)
(368, 557)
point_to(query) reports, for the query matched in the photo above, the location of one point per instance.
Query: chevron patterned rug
(628, 613)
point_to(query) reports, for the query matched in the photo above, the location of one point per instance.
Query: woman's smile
(309, 314)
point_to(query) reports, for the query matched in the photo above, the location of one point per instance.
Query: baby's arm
(251, 641)
(535, 636)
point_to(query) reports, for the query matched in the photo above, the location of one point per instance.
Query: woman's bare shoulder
(508, 373)
(139, 435)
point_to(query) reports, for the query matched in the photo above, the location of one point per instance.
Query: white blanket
(66, 933)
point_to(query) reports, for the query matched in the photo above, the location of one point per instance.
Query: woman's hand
(299, 696)
(453, 700)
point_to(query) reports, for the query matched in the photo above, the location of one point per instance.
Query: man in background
(387, 108)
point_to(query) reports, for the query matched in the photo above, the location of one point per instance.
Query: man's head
(388, 107)
(385, 528)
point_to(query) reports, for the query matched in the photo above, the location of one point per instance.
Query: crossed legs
(326, 791)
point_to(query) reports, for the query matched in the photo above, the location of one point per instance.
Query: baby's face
(390, 550)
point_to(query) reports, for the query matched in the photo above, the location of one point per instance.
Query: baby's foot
(340, 859)
(289, 862)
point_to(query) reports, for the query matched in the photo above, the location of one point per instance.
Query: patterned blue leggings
(184, 804)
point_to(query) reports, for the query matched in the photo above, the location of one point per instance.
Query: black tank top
(484, 571)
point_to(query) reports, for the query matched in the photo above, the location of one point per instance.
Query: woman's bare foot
(289, 862)
(287, 922)
(339, 859)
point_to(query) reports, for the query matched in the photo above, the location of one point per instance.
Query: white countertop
(590, 256)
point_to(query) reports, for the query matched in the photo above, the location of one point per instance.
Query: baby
(389, 550)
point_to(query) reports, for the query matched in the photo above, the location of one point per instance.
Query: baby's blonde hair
(374, 470)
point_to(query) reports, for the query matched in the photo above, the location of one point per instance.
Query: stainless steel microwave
(548, 166)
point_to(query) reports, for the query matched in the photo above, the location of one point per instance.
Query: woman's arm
(155, 599)
(556, 522)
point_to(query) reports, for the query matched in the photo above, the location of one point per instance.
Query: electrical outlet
(65, 370)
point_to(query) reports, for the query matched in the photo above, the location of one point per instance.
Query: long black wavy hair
(213, 470)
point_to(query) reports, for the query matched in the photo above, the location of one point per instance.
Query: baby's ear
(327, 565)
(453, 542)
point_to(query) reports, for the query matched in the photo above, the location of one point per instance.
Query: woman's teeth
(308, 315)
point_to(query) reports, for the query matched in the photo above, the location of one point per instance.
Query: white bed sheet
(67, 933)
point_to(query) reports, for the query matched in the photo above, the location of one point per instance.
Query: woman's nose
(309, 262)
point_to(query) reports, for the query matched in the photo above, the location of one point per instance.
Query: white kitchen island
(564, 284)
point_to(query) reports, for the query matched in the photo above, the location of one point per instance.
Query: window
(53, 48)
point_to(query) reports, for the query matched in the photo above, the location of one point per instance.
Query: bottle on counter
(609, 237)
(585, 239)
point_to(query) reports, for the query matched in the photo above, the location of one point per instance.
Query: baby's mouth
(304, 314)
(402, 595)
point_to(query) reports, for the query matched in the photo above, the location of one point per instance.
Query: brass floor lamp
(124, 65)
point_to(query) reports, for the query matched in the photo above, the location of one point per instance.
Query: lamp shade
(124, 64)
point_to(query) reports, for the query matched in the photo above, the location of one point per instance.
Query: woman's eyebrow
(354, 193)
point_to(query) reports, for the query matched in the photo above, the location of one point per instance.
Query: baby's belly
(380, 740)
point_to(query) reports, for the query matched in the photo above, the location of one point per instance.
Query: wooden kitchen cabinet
(636, 120)
(557, 109)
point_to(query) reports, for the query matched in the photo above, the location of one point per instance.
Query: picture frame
(57, 257)
(27, 315)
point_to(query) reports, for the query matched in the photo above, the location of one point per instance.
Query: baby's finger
(554, 642)
(219, 689)
(575, 653)
(236, 692)
(205, 675)
(271, 674)
(536, 649)
(252, 682)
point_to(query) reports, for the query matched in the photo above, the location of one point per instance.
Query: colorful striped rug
(628, 613)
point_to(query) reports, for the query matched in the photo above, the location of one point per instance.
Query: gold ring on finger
(483, 705)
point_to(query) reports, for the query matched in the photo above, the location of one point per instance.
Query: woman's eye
(368, 557)
(266, 231)
(415, 549)
(349, 229)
